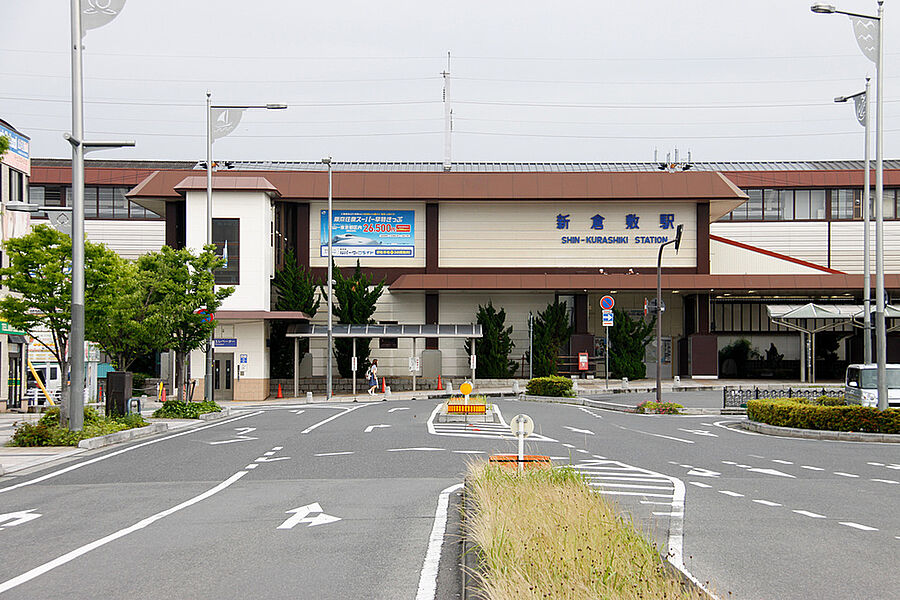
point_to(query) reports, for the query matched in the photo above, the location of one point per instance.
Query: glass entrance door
(223, 376)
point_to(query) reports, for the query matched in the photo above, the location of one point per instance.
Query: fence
(737, 398)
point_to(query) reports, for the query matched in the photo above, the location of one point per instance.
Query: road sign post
(521, 426)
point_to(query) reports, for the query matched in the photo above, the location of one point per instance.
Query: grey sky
(564, 81)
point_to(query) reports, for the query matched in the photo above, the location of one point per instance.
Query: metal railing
(738, 397)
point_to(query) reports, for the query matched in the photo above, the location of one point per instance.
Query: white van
(861, 385)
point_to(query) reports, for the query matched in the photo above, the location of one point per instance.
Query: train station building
(518, 235)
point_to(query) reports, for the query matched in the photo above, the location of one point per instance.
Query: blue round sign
(607, 302)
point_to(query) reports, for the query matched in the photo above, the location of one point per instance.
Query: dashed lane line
(809, 468)
(700, 484)
(730, 493)
(767, 503)
(842, 474)
(887, 481)
(782, 462)
(812, 515)
(858, 526)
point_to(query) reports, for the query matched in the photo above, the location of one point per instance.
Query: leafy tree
(180, 285)
(295, 290)
(39, 277)
(627, 339)
(354, 304)
(493, 349)
(552, 330)
(4, 144)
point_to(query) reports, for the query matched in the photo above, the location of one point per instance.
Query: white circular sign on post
(528, 425)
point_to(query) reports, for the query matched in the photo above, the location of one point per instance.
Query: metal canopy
(306, 330)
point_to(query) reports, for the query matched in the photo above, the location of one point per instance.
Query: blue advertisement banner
(378, 233)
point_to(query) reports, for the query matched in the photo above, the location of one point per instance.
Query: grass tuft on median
(47, 432)
(545, 534)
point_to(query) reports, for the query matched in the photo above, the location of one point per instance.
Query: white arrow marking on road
(19, 517)
(703, 472)
(399, 408)
(699, 432)
(576, 430)
(264, 459)
(241, 436)
(771, 472)
(298, 412)
(301, 515)
(371, 427)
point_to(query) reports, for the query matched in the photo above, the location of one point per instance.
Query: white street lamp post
(231, 116)
(659, 309)
(328, 374)
(861, 101)
(863, 25)
(86, 14)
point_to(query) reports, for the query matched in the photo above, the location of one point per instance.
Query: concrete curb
(816, 434)
(225, 412)
(122, 436)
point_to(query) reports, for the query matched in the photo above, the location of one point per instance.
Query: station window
(226, 235)
(100, 202)
(389, 343)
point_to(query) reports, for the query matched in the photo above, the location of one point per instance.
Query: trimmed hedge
(173, 409)
(794, 412)
(662, 408)
(557, 387)
(47, 432)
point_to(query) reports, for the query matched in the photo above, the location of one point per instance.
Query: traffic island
(543, 533)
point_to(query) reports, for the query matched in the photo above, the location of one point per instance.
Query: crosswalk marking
(614, 478)
(488, 431)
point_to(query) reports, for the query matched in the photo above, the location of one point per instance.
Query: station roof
(306, 330)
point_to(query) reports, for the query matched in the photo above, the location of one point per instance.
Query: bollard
(515, 389)
(309, 397)
(387, 390)
(624, 382)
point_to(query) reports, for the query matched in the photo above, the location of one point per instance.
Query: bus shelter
(809, 319)
(469, 331)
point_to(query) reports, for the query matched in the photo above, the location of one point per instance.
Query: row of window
(811, 205)
(752, 317)
(100, 202)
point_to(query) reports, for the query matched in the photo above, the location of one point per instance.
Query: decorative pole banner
(225, 120)
(97, 13)
(861, 103)
(866, 33)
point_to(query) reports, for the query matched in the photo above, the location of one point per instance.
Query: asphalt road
(318, 501)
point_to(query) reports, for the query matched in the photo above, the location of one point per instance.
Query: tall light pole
(227, 118)
(328, 390)
(85, 15)
(861, 101)
(866, 27)
(659, 309)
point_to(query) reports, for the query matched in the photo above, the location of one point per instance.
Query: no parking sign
(607, 302)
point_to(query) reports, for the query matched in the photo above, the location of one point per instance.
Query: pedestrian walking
(372, 376)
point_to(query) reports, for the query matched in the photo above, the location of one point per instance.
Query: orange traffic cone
(279, 392)
(164, 394)
(383, 385)
(439, 387)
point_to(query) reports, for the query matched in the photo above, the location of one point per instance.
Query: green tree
(4, 144)
(493, 349)
(295, 289)
(552, 330)
(354, 304)
(627, 339)
(181, 293)
(39, 277)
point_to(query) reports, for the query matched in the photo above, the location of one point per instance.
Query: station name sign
(632, 222)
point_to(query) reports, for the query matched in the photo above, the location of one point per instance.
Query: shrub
(174, 409)
(792, 412)
(662, 408)
(47, 432)
(559, 387)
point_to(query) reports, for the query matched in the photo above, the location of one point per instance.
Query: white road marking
(782, 462)
(857, 526)
(333, 417)
(551, 458)
(643, 495)
(842, 474)
(372, 427)
(728, 462)
(415, 449)
(767, 503)
(698, 472)
(699, 484)
(123, 450)
(241, 436)
(486, 431)
(398, 408)
(659, 435)
(568, 445)
(632, 487)
(263, 459)
(251, 466)
(685, 466)
(699, 432)
(576, 430)
(755, 456)
(17, 518)
(333, 453)
(70, 556)
(730, 493)
(278, 448)
(740, 466)
(582, 451)
(893, 466)
(593, 414)
(301, 515)
(472, 452)
(298, 412)
(598, 456)
(774, 472)
(655, 503)
(806, 513)
(875, 464)
(268, 453)
(887, 481)
(743, 431)
(811, 468)
(668, 514)
(428, 578)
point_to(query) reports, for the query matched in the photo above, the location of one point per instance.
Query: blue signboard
(378, 233)
(225, 342)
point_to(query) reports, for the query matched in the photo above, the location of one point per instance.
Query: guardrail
(737, 398)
